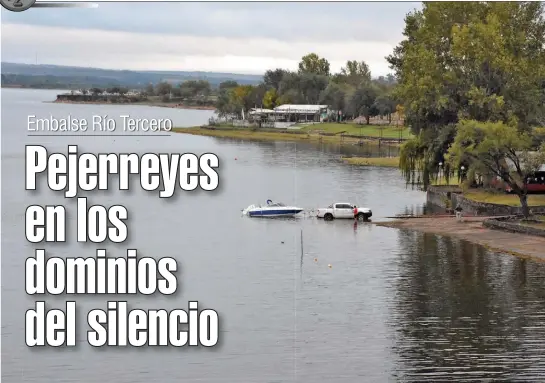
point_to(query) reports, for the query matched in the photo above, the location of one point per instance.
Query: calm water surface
(394, 306)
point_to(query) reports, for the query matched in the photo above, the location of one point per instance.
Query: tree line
(352, 91)
(198, 91)
(471, 78)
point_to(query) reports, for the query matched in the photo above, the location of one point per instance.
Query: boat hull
(274, 213)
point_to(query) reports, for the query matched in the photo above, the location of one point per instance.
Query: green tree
(242, 98)
(498, 149)
(163, 88)
(177, 91)
(114, 90)
(312, 63)
(334, 96)
(303, 88)
(355, 73)
(480, 61)
(290, 96)
(255, 98)
(385, 105)
(272, 78)
(361, 102)
(149, 90)
(225, 102)
(228, 84)
(270, 98)
(195, 89)
(311, 86)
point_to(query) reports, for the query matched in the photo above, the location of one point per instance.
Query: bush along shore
(386, 162)
(138, 102)
(138, 99)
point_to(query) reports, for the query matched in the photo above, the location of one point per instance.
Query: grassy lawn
(228, 131)
(242, 133)
(441, 181)
(226, 127)
(377, 131)
(391, 162)
(503, 199)
(356, 130)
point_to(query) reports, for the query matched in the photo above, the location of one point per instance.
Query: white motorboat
(272, 209)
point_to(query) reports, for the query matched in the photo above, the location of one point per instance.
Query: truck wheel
(361, 217)
(328, 217)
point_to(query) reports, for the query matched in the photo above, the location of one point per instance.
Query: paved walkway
(472, 230)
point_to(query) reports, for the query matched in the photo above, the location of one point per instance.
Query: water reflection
(366, 149)
(464, 313)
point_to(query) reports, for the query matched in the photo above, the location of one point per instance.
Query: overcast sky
(220, 37)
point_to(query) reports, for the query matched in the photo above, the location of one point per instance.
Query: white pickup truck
(344, 210)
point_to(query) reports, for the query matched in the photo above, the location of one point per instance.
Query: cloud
(300, 21)
(226, 37)
(142, 51)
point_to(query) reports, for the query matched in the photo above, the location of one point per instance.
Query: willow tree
(480, 61)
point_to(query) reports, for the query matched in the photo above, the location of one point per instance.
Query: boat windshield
(276, 204)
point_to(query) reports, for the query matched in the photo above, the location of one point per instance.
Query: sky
(214, 37)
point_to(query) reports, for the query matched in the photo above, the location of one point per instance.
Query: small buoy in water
(282, 242)
(329, 265)
(235, 158)
(315, 259)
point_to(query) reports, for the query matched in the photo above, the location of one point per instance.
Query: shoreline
(384, 162)
(249, 134)
(140, 103)
(472, 230)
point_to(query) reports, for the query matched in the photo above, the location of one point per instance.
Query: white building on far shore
(301, 113)
(292, 113)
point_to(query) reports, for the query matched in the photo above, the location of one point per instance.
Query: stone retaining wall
(513, 226)
(438, 195)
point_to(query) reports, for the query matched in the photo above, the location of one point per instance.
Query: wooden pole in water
(301, 263)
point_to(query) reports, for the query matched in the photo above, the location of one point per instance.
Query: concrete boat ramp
(472, 230)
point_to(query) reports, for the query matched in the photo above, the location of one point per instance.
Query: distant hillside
(66, 77)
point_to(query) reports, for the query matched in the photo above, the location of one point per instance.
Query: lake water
(394, 306)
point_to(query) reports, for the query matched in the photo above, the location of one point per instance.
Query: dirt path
(473, 231)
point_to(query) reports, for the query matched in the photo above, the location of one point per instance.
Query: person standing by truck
(458, 211)
(355, 213)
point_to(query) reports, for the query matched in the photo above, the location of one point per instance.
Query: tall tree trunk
(524, 204)
(425, 178)
(367, 118)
